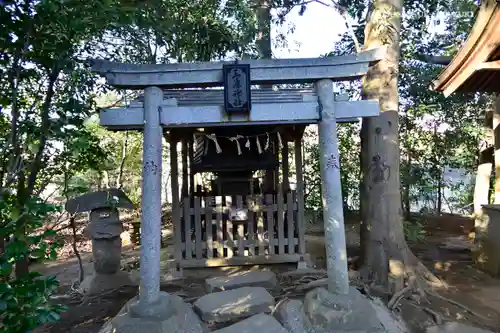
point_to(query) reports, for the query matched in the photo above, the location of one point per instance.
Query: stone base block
(323, 312)
(260, 323)
(98, 283)
(170, 315)
(290, 313)
(234, 304)
(265, 279)
(329, 312)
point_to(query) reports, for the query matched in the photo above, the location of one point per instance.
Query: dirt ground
(445, 251)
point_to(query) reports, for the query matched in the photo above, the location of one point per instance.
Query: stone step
(234, 304)
(265, 279)
(260, 323)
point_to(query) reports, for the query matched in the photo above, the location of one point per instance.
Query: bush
(414, 231)
(25, 300)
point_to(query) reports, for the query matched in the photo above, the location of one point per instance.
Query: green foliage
(349, 171)
(181, 31)
(25, 305)
(24, 300)
(312, 176)
(47, 94)
(414, 231)
(436, 133)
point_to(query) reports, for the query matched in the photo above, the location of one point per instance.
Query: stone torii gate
(157, 114)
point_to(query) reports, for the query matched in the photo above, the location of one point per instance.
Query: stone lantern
(104, 229)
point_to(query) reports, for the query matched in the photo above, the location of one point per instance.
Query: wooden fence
(271, 230)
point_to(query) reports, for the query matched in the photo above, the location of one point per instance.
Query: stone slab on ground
(234, 304)
(260, 323)
(329, 312)
(454, 327)
(170, 315)
(265, 279)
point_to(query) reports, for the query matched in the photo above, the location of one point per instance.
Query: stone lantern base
(98, 283)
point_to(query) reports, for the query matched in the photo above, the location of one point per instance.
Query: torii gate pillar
(151, 198)
(331, 194)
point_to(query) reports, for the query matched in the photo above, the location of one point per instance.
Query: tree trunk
(264, 47)
(407, 188)
(363, 213)
(439, 206)
(99, 181)
(119, 178)
(105, 180)
(22, 265)
(496, 136)
(386, 252)
(36, 164)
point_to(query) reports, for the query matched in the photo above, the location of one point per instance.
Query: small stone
(454, 327)
(260, 323)
(290, 313)
(234, 304)
(265, 279)
(302, 265)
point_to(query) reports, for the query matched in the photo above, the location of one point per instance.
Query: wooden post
(276, 173)
(286, 168)
(192, 185)
(174, 182)
(184, 157)
(300, 194)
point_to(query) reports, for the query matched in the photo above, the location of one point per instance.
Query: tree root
(89, 299)
(394, 301)
(426, 279)
(424, 284)
(434, 294)
(312, 284)
(438, 319)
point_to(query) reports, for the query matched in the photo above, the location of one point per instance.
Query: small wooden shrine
(249, 214)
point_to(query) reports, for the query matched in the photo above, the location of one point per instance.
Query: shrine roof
(476, 66)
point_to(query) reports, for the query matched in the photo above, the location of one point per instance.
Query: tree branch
(45, 129)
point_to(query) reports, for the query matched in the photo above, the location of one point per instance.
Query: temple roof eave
(475, 66)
